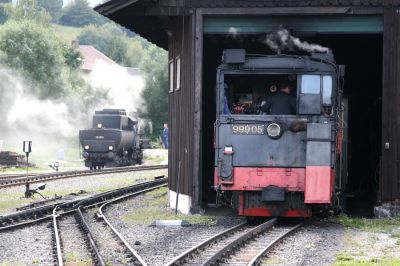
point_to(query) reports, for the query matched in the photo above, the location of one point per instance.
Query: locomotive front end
(276, 133)
(112, 141)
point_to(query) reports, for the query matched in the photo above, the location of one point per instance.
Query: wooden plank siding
(390, 169)
(181, 125)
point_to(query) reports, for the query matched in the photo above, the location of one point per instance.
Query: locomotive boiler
(112, 141)
(271, 164)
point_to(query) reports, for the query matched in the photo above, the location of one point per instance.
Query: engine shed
(363, 35)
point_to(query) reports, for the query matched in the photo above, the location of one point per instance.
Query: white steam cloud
(233, 31)
(23, 116)
(282, 40)
(53, 125)
(123, 86)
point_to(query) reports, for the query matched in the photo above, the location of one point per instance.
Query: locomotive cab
(278, 133)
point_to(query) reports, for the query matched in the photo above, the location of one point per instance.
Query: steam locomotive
(113, 140)
(282, 165)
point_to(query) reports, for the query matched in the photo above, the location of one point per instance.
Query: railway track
(41, 213)
(239, 245)
(15, 180)
(74, 212)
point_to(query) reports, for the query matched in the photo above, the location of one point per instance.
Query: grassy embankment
(377, 244)
(154, 206)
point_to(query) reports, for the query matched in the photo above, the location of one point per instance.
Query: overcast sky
(91, 2)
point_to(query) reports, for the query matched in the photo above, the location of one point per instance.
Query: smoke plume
(123, 87)
(53, 125)
(282, 40)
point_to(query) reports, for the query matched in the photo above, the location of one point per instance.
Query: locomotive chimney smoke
(282, 40)
(233, 31)
(122, 86)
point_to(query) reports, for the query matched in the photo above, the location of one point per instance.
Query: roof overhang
(113, 6)
(138, 16)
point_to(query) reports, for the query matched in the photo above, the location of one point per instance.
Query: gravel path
(316, 243)
(27, 246)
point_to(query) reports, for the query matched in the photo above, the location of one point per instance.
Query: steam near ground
(53, 125)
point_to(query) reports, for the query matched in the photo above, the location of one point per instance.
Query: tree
(28, 10)
(112, 41)
(41, 57)
(80, 14)
(3, 14)
(54, 7)
(154, 68)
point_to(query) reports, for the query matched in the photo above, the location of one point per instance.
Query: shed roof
(149, 18)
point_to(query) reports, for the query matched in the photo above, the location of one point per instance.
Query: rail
(15, 180)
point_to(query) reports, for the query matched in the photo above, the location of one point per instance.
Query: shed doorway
(362, 55)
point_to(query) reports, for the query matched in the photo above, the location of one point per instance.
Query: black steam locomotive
(112, 141)
(280, 163)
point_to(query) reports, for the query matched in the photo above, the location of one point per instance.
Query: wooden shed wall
(181, 125)
(390, 164)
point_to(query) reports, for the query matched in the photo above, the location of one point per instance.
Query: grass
(344, 259)
(22, 170)
(155, 159)
(388, 225)
(72, 259)
(372, 247)
(156, 208)
(68, 34)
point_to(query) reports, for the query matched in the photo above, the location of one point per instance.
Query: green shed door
(299, 24)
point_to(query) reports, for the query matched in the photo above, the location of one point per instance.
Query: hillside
(67, 33)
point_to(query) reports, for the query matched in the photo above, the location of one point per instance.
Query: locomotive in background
(113, 140)
(284, 165)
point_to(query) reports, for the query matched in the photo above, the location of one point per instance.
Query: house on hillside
(123, 85)
(92, 57)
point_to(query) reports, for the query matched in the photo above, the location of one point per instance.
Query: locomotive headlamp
(99, 125)
(110, 148)
(87, 147)
(228, 150)
(274, 130)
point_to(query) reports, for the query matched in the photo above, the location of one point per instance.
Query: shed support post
(197, 64)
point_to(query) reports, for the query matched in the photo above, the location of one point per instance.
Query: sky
(92, 3)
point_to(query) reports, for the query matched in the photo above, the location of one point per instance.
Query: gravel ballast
(27, 246)
(316, 243)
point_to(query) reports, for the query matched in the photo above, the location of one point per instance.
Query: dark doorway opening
(362, 55)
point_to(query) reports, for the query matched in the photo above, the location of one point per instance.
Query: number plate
(248, 129)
